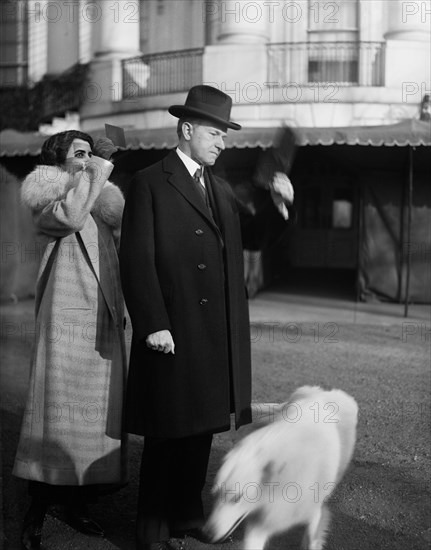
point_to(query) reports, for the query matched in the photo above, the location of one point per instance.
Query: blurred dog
(279, 476)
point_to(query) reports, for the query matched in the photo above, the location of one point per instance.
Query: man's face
(206, 141)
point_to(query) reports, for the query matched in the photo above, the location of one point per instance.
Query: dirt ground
(368, 350)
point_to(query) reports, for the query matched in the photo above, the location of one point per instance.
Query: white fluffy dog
(280, 475)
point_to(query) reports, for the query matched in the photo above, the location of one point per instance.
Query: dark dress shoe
(32, 526)
(31, 537)
(198, 534)
(78, 518)
(161, 545)
(194, 532)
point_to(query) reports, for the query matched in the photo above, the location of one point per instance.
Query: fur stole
(49, 183)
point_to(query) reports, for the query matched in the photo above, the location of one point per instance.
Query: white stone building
(308, 64)
(300, 62)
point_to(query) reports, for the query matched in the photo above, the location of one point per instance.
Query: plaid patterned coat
(72, 426)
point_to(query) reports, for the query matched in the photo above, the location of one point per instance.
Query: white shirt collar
(189, 163)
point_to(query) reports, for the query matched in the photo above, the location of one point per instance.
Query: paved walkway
(272, 306)
(284, 307)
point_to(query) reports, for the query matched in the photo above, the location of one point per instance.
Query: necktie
(201, 189)
(198, 173)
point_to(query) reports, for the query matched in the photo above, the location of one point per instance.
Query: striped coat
(72, 426)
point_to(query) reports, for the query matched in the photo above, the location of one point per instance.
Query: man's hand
(161, 341)
(282, 193)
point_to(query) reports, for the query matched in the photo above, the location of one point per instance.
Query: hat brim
(180, 111)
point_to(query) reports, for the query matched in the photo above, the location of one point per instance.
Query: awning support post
(409, 228)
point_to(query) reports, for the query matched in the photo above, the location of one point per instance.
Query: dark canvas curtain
(385, 243)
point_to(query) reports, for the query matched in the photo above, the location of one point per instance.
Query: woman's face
(78, 155)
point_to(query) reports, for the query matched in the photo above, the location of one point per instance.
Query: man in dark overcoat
(181, 264)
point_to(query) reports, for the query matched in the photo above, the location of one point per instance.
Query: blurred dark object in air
(279, 158)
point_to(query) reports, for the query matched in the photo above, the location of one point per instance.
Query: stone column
(37, 41)
(115, 36)
(62, 17)
(408, 20)
(236, 60)
(116, 29)
(243, 22)
(407, 47)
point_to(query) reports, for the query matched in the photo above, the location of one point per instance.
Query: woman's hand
(98, 169)
(104, 148)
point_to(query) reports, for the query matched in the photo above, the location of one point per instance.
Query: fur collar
(49, 183)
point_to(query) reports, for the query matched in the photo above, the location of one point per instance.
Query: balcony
(59, 94)
(340, 63)
(162, 73)
(302, 63)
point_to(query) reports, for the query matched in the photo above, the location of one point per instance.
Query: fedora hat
(208, 103)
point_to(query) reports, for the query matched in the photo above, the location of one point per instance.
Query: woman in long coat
(71, 439)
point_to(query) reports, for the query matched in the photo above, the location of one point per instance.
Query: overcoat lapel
(181, 180)
(218, 197)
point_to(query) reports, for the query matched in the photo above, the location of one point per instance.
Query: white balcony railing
(162, 73)
(343, 63)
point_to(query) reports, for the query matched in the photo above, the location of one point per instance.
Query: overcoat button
(202, 266)
(199, 232)
(203, 301)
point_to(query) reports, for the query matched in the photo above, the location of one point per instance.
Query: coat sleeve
(68, 214)
(139, 277)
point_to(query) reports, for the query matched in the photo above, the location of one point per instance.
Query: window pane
(342, 214)
(13, 43)
(341, 72)
(342, 208)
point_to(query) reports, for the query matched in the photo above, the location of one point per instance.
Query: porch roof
(409, 132)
